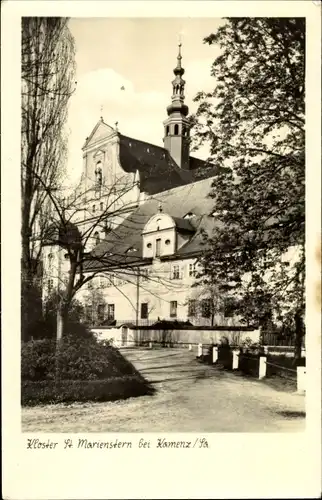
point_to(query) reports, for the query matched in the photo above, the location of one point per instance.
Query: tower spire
(176, 139)
(178, 85)
(179, 57)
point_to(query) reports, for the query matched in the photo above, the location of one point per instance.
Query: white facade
(160, 291)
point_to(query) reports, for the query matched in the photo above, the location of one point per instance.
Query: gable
(99, 132)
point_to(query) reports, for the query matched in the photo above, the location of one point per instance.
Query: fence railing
(259, 365)
(275, 339)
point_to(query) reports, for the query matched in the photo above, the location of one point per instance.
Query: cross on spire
(102, 109)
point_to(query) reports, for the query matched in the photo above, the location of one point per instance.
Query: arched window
(98, 174)
(94, 208)
(176, 129)
(167, 130)
(97, 237)
(101, 206)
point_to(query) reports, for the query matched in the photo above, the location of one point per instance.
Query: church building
(141, 210)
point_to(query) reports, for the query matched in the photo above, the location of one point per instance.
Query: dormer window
(131, 250)
(189, 215)
(159, 236)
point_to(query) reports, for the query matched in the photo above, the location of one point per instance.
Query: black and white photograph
(163, 230)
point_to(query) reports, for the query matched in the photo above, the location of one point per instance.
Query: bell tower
(176, 126)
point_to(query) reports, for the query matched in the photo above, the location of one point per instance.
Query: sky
(138, 54)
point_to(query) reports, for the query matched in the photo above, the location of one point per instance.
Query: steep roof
(178, 202)
(158, 171)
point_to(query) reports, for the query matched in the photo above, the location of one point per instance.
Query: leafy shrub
(249, 362)
(77, 359)
(283, 366)
(37, 359)
(225, 356)
(68, 391)
(46, 324)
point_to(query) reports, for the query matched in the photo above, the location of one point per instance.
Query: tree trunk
(60, 325)
(299, 334)
(62, 312)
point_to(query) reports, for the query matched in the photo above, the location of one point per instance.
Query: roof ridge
(184, 185)
(156, 146)
(144, 142)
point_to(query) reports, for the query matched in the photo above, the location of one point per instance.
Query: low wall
(283, 351)
(132, 336)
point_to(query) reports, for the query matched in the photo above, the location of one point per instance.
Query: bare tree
(75, 230)
(47, 72)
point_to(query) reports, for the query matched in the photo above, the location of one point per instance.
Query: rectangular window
(175, 275)
(206, 308)
(88, 313)
(173, 308)
(144, 310)
(110, 311)
(100, 312)
(50, 285)
(192, 308)
(192, 270)
(158, 247)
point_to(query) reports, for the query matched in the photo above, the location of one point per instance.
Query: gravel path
(190, 397)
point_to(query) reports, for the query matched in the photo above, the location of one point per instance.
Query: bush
(285, 366)
(225, 356)
(68, 391)
(37, 359)
(77, 359)
(249, 362)
(45, 325)
(88, 369)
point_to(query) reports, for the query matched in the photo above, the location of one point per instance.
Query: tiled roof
(158, 171)
(178, 202)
